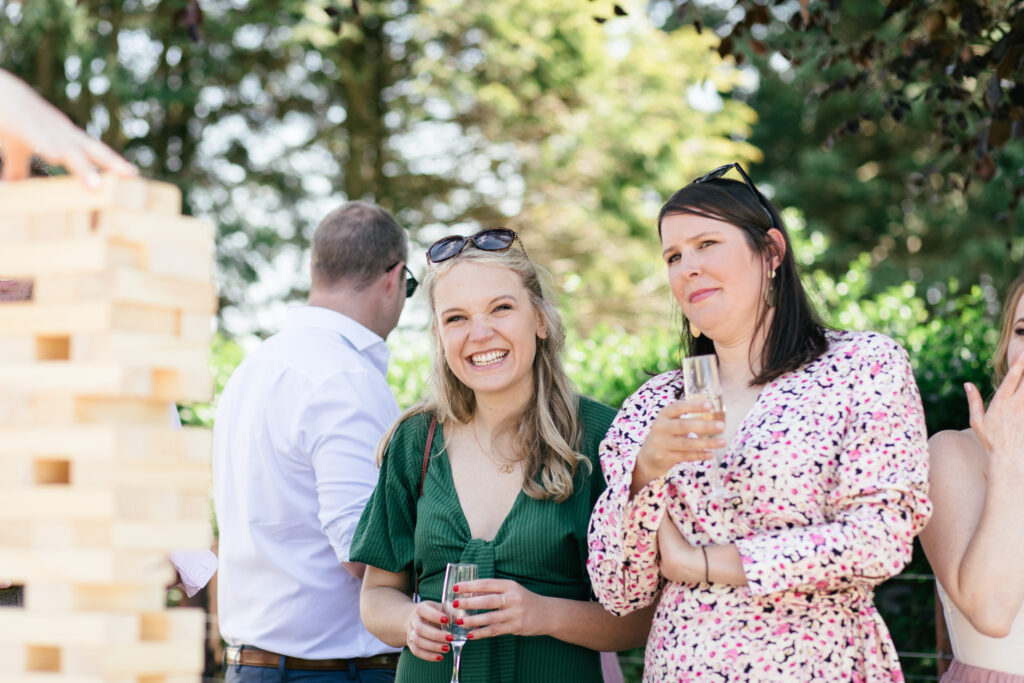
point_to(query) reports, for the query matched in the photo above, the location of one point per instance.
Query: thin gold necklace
(503, 467)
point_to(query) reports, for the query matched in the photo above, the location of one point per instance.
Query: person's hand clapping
(425, 634)
(674, 439)
(508, 608)
(1001, 428)
(29, 124)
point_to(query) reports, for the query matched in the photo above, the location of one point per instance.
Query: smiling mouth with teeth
(489, 358)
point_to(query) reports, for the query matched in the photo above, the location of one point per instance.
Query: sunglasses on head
(410, 282)
(722, 170)
(491, 239)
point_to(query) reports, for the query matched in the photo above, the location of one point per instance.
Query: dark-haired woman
(825, 468)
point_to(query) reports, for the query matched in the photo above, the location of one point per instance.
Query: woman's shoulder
(855, 350)
(408, 441)
(593, 413)
(657, 389)
(955, 449)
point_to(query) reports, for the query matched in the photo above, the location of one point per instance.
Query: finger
(109, 160)
(17, 157)
(431, 613)
(685, 426)
(976, 407)
(684, 406)
(77, 164)
(483, 586)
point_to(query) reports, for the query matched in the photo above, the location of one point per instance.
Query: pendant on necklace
(504, 468)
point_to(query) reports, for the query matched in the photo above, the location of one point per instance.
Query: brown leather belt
(253, 656)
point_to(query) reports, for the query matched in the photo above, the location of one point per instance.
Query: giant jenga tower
(97, 485)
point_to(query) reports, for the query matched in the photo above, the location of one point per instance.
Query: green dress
(542, 545)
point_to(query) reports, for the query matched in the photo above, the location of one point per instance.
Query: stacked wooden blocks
(97, 485)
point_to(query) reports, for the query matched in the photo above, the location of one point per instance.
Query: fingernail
(455, 588)
(444, 620)
(445, 648)
(707, 405)
(458, 622)
(92, 180)
(449, 637)
(440, 658)
(455, 603)
(469, 636)
(967, 387)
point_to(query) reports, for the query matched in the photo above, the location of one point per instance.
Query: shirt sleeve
(339, 427)
(623, 552)
(195, 568)
(880, 502)
(384, 537)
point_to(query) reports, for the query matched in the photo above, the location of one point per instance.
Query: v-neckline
(458, 501)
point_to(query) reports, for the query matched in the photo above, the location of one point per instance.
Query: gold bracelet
(704, 550)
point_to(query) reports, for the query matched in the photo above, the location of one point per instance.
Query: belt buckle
(233, 654)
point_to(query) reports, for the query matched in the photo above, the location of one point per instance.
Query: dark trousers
(259, 674)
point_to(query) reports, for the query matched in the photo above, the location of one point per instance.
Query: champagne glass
(701, 383)
(456, 573)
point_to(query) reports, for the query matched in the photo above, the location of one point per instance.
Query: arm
(340, 427)
(518, 611)
(29, 123)
(682, 562)
(623, 551)
(973, 542)
(879, 502)
(388, 612)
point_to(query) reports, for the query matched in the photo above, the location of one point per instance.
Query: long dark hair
(796, 335)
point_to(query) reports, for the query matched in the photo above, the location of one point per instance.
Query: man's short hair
(355, 244)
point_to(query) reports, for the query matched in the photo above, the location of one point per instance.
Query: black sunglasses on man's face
(410, 282)
(722, 170)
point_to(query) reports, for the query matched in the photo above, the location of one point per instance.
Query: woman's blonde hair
(547, 431)
(1000, 366)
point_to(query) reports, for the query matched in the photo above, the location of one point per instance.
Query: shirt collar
(360, 337)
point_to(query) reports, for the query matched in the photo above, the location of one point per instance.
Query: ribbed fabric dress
(542, 545)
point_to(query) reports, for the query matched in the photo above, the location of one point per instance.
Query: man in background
(293, 467)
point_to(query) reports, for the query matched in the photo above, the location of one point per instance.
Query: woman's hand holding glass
(426, 636)
(502, 607)
(674, 439)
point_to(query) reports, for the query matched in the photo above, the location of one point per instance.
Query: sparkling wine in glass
(456, 573)
(701, 383)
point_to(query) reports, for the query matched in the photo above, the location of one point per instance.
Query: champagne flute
(456, 573)
(701, 383)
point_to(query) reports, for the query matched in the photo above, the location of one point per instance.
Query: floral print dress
(826, 487)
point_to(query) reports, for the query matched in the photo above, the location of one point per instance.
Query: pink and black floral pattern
(826, 483)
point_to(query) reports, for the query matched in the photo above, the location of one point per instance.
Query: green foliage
(225, 355)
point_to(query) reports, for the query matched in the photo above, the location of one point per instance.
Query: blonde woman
(511, 477)
(975, 541)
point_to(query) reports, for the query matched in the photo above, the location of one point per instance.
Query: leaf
(600, 20)
(993, 93)
(725, 46)
(619, 12)
(758, 47)
(998, 132)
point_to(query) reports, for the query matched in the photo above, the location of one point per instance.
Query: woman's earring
(694, 330)
(769, 291)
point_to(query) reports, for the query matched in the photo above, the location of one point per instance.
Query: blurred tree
(450, 114)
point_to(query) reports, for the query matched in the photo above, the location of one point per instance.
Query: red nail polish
(444, 620)
(449, 637)
(440, 658)
(455, 603)
(469, 636)
(445, 648)
(455, 588)
(458, 622)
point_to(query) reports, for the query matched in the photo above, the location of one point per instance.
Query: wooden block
(68, 194)
(139, 348)
(55, 503)
(90, 317)
(146, 446)
(82, 628)
(181, 231)
(90, 254)
(17, 348)
(162, 535)
(13, 227)
(86, 565)
(107, 378)
(43, 596)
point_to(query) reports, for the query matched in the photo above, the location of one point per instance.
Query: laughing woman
(825, 468)
(511, 476)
